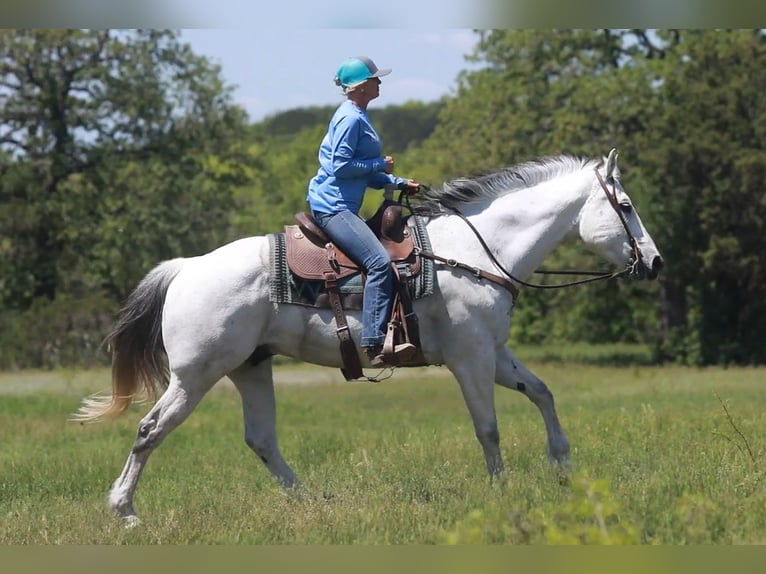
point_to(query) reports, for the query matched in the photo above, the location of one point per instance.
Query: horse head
(610, 225)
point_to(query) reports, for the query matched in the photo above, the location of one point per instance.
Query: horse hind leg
(173, 407)
(255, 384)
(512, 374)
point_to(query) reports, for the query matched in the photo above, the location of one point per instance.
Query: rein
(598, 275)
(503, 282)
(480, 273)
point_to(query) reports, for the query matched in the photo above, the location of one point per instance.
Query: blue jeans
(352, 235)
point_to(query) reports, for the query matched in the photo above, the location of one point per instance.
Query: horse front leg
(512, 374)
(475, 375)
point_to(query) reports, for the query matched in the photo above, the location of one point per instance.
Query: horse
(192, 321)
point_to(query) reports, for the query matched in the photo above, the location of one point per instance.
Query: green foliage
(591, 515)
(122, 148)
(603, 354)
(55, 334)
(578, 313)
(399, 126)
(277, 188)
(541, 93)
(705, 158)
(404, 126)
(534, 96)
(284, 126)
(704, 521)
(105, 132)
(685, 110)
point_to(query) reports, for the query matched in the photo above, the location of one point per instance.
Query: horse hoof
(131, 521)
(563, 472)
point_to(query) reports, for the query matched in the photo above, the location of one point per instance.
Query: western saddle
(312, 256)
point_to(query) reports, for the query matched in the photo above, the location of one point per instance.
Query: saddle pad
(286, 287)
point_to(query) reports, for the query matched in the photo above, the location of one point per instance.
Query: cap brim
(380, 73)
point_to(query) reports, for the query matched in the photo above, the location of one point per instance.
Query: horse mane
(495, 184)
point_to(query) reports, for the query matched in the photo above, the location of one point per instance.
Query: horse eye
(626, 207)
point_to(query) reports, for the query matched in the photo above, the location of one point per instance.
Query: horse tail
(139, 362)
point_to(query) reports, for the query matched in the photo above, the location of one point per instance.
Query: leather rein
(513, 289)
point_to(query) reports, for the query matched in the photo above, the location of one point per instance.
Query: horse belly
(309, 334)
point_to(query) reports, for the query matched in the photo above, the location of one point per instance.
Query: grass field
(657, 459)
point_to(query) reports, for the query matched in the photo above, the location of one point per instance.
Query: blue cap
(354, 71)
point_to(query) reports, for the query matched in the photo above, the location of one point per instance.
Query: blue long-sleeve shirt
(349, 162)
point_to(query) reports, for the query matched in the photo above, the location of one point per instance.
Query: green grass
(607, 354)
(656, 460)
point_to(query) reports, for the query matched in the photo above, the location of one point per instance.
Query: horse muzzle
(641, 270)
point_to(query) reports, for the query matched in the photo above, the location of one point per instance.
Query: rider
(350, 160)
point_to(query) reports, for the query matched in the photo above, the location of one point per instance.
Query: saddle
(312, 256)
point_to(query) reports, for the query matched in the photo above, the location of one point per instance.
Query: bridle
(612, 197)
(630, 268)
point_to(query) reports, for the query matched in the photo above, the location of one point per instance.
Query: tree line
(119, 149)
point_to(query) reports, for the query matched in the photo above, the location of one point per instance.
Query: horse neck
(523, 227)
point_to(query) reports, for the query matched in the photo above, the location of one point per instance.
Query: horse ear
(611, 162)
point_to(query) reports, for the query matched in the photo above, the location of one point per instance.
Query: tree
(281, 168)
(95, 124)
(705, 159)
(686, 110)
(541, 93)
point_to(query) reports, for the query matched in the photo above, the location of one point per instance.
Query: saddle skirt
(300, 264)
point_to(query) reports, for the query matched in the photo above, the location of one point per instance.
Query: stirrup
(401, 354)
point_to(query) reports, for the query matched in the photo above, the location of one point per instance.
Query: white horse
(192, 321)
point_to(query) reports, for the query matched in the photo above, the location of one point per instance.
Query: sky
(277, 69)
